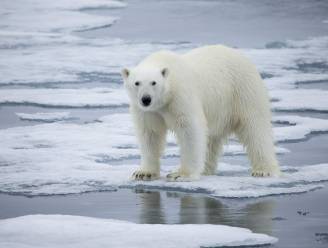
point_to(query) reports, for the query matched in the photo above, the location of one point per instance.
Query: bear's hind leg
(256, 135)
(214, 149)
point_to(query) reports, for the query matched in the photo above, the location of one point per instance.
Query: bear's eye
(137, 83)
(153, 83)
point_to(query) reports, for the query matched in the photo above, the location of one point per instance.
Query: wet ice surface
(69, 74)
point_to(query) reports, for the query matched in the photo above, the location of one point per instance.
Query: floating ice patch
(284, 100)
(95, 97)
(61, 60)
(299, 127)
(62, 158)
(229, 184)
(49, 16)
(45, 117)
(293, 62)
(300, 100)
(87, 176)
(77, 231)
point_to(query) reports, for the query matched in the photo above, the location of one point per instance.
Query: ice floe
(300, 100)
(78, 231)
(298, 127)
(293, 61)
(62, 158)
(45, 117)
(95, 97)
(283, 100)
(236, 185)
(60, 60)
(60, 16)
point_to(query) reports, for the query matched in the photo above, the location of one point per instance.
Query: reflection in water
(151, 211)
(200, 209)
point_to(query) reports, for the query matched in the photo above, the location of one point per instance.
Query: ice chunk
(30, 15)
(292, 62)
(294, 180)
(95, 97)
(51, 58)
(45, 117)
(78, 231)
(284, 100)
(299, 127)
(300, 100)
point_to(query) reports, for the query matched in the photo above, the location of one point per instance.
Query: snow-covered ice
(62, 158)
(45, 117)
(300, 100)
(61, 15)
(298, 127)
(78, 231)
(95, 97)
(60, 60)
(50, 51)
(229, 184)
(284, 100)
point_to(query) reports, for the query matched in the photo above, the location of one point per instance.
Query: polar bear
(203, 96)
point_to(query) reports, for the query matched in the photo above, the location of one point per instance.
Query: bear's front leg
(151, 135)
(192, 140)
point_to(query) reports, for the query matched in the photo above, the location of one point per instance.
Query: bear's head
(147, 86)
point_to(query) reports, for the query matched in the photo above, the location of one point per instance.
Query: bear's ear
(165, 72)
(125, 73)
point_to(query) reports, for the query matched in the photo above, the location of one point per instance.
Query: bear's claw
(261, 174)
(140, 175)
(266, 173)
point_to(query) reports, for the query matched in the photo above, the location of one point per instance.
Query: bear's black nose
(146, 100)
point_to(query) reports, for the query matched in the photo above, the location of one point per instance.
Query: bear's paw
(142, 175)
(273, 171)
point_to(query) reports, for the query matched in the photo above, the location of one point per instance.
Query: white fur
(204, 96)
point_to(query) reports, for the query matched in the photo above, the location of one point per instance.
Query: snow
(77, 231)
(45, 117)
(63, 158)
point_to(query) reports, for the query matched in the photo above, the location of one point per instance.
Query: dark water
(296, 220)
(8, 117)
(251, 23)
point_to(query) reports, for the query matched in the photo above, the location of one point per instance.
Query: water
(236, 23)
